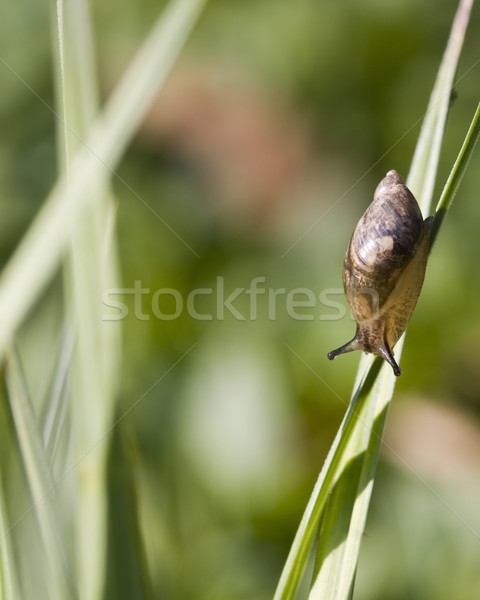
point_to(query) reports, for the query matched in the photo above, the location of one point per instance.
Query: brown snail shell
(384, 269)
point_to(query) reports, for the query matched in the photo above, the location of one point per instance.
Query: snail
(384, 269)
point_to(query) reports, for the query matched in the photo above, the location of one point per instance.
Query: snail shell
(384, 269)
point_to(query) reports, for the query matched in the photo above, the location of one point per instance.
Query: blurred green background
(256, 161)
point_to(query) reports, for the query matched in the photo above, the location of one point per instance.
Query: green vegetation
(178, 186)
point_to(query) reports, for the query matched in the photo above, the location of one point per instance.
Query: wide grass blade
(90, 268)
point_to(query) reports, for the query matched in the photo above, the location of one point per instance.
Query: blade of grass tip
(378, 396)
(456, 175)
(39, 253)
(38, 473)
(423, 170)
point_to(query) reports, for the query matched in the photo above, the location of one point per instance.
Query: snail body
(384, 268)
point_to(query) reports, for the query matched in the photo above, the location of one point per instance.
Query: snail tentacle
(356, 343)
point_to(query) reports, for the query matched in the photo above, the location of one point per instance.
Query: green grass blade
(422, 176)
(347, 477)
(35, 462)
(8, 586)
(54, 411)
(90, 268)
(9, 575)
(336, 462)
(42, 248)
(456, 175)
(344, 517)
(128, 573)
(423, 170)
